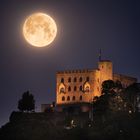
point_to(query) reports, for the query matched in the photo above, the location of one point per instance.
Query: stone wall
(76, 86)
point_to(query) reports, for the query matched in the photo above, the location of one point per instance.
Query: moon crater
(39, 29)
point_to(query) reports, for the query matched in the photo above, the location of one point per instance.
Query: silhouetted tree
(100, 104)
(27, 103)
(108, 87)
(110, 100)
(132, 96)
(118, 85)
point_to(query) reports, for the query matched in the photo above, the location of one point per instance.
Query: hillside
(50, 126)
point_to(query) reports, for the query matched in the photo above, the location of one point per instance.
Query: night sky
(84, 26)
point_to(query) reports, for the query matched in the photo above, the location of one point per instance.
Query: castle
(81, 86)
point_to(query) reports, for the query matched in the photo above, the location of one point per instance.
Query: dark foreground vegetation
(116, 116)
(51, 126)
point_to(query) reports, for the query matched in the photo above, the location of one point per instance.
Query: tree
(132, 96)
(108, 87)
(110, 100)
(100, 104)
(27, 103)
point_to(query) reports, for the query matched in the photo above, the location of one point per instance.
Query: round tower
(106, 70)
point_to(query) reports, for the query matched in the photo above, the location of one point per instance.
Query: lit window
(73, 98)
(80, 98)
(63, 98)
(69, 88)
(80, 80)
(69, 80)
(68, 98)
(75, 88)
(62, 80)
(87, 89)
(62, 90)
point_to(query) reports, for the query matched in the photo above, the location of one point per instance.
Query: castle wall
(77, 86)
(125, 80)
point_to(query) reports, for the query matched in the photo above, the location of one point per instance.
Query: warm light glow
(39, 29)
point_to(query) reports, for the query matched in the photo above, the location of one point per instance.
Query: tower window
(69, 88)
(80, 80)
(75, 79)
(75, 88)
(80, 88)
(73, 98)
(63, 98)
(80, 98)
(62, 80)
(68, 98)
(87, 79)
(69, 80)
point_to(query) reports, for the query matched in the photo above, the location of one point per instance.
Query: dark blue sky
(84, 26)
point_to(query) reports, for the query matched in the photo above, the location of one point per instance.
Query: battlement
(75, 71)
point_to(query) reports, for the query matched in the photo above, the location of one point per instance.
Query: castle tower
(106, 70)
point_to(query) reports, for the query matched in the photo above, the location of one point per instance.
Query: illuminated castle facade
(81, 86)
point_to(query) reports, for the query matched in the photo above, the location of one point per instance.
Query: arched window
(68, 98)
(75, 79)
(80, 88)
(80, 80)
(62, 90)
(73, 98)
(87, 79)
(80, 98)
(62, 80)
(87, 89)
(75, 88)
(69, 80)
(63, 98)
(69, 88)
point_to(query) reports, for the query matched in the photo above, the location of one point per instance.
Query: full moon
(39, 29)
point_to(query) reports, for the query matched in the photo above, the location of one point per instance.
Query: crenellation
(75, 71)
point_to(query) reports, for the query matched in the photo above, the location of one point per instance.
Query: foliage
(42, 126)
(100, 104)
(111, 99)
(116, 99)
(132, 96)
(132, 91)
(27, 103)
(108, 86)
